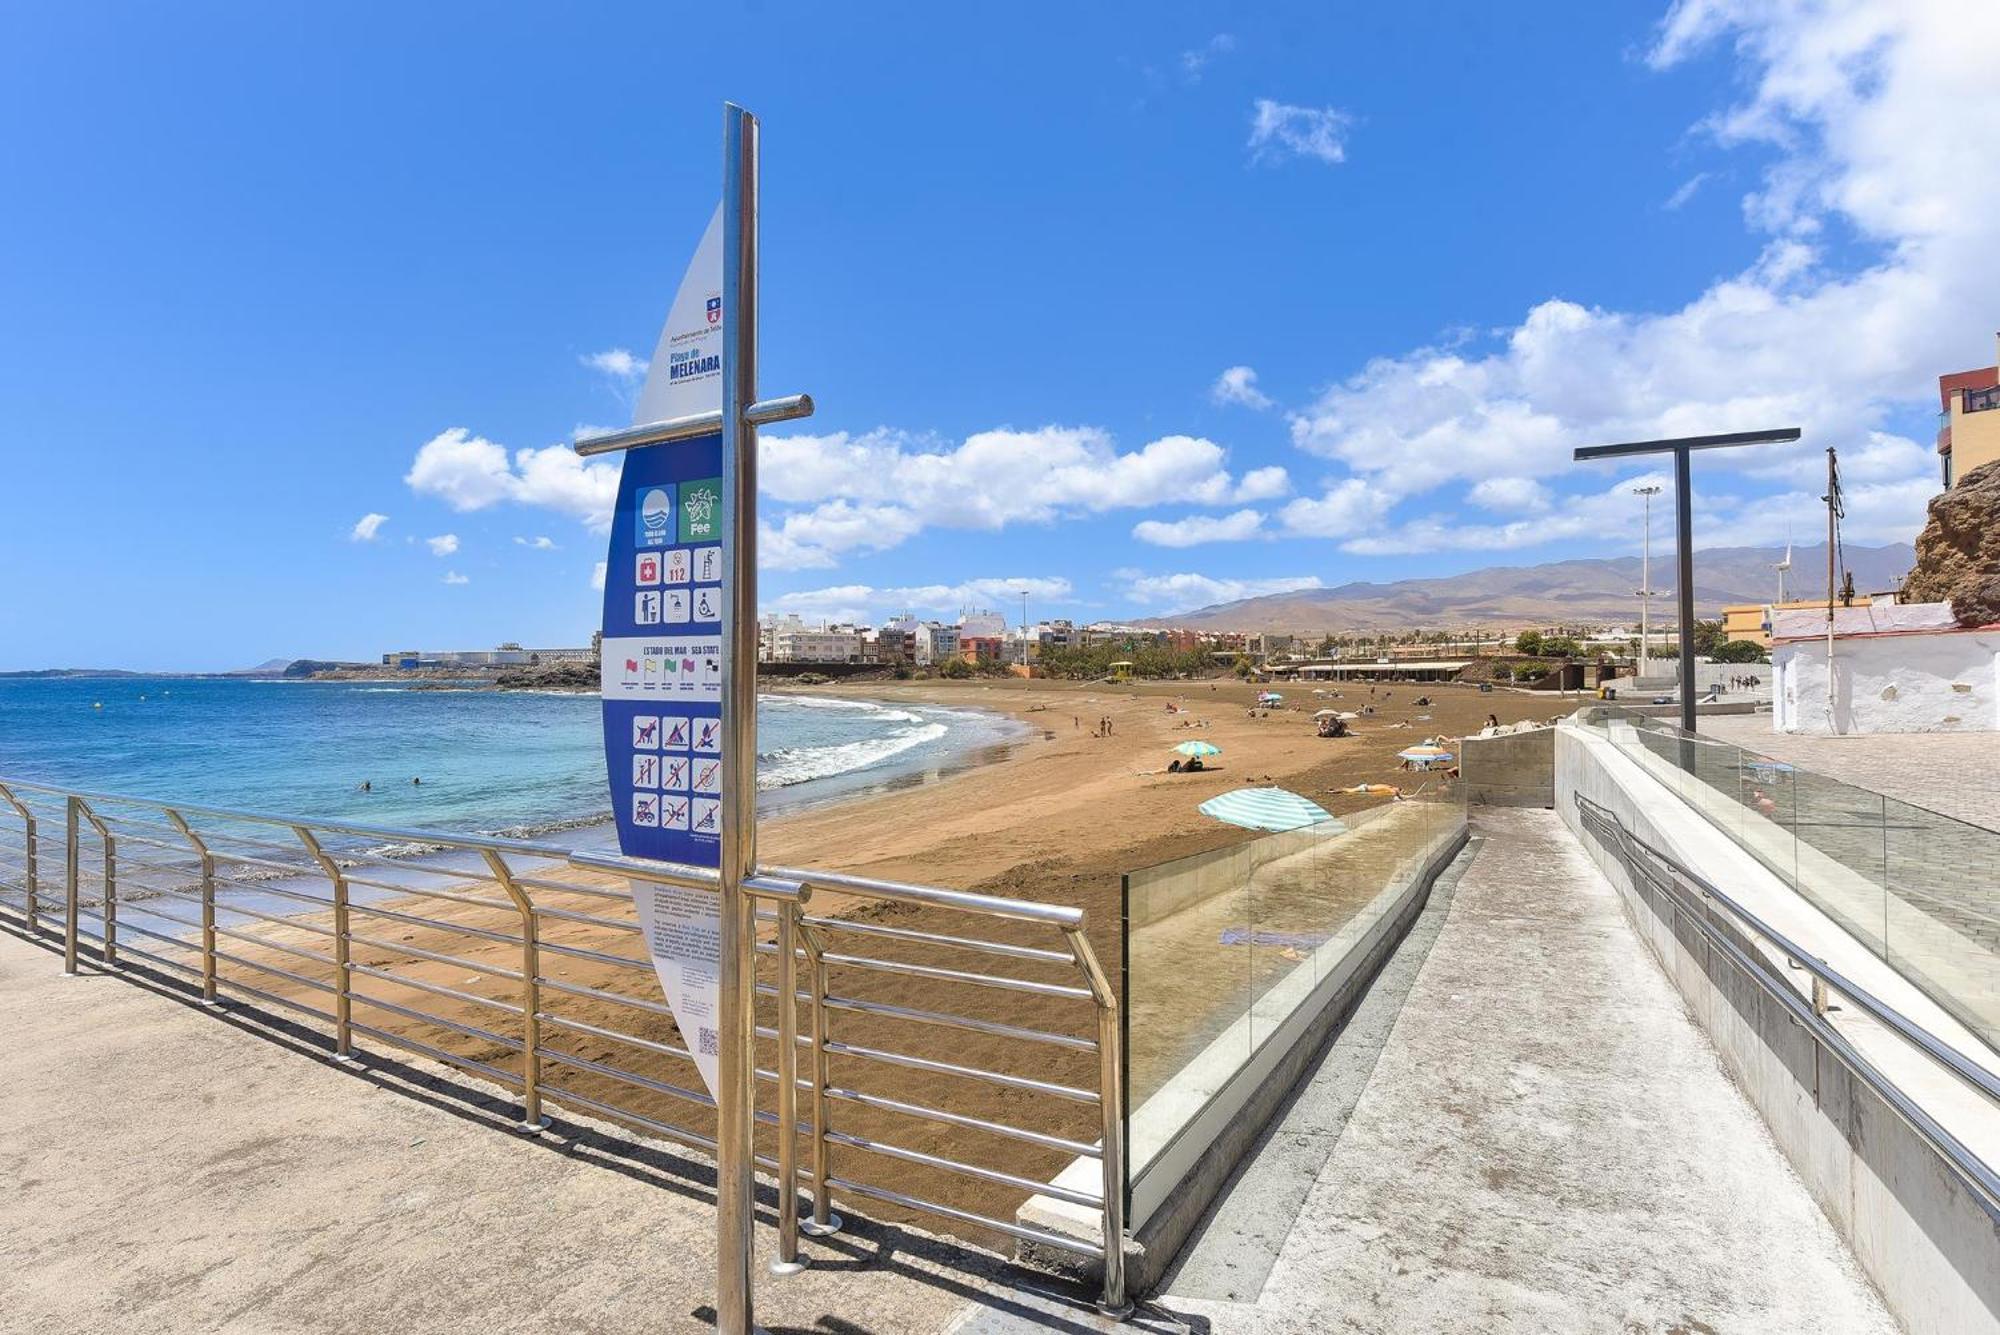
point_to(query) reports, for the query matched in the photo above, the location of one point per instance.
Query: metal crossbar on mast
(1681, 447)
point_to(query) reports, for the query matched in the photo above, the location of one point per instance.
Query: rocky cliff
(1958, 553)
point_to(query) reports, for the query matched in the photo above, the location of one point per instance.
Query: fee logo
(701, 510)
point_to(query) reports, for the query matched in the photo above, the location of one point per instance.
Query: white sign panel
(684, 937)
(685, 377)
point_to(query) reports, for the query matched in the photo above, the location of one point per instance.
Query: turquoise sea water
(517, 763)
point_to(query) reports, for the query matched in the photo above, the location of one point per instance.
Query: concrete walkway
(164, 1170)
(1545, 1143)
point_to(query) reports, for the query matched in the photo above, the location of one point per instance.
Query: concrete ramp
(1546, 1142)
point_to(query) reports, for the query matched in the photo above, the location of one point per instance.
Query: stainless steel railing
(1696, 898)
(508, 958)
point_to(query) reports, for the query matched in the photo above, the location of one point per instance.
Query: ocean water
(524, 764)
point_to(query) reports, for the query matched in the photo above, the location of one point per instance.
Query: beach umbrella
(1326, 713)
(1269, 695)
(1347, 714)
(1423, 754)
(1196, 750)
(1269, 809)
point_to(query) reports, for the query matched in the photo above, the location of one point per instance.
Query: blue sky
(1138, 307)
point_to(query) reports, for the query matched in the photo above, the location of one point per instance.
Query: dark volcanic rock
(1958, 553)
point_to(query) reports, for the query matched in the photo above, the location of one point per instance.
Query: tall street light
(1024, 628)
(1646, 579)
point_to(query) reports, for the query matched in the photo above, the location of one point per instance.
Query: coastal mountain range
(1599, 591)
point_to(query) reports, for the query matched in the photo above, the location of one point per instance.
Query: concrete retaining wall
(1516, 769)
(1924, 1234)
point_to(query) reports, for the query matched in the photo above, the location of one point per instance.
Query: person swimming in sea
(367, 787)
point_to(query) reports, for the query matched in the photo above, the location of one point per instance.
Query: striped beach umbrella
(1269, 809)
(1424, 754)
(1198, 750)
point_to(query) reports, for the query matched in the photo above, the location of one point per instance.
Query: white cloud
(1279, 131)
(444, 544)
(1263, 484)
(1187, 591)
(597, 576)
(453, 577)
(469, 472)
(366, 527)
(537, 543)
(1238, 384)
(1194, 61)
(874, 491)
(863, 602)
(1849, 95)
(1346, 507)
(1685, 191)
(1197, 529)
(617, 363)
(1509, 494)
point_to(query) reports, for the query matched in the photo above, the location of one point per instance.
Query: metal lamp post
(1646, 579)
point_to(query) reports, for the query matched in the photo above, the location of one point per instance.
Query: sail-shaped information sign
(663, 652)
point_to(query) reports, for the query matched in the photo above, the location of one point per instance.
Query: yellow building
(1968, 421)
(1750, 621)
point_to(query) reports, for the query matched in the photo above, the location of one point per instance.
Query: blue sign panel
(662, 653)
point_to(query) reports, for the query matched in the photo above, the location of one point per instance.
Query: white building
(1907, 668)
(788, 639)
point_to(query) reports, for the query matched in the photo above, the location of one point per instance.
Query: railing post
(824, 1222)
(108, 907)
(27, 815)
(532, 1120)
(343, 980)
(200, 847)
(788, 1262)
(72, 817)
(1111, 1106)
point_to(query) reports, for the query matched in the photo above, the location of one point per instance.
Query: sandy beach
(1058, 816)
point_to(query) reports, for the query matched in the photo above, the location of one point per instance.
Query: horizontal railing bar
(264, 943)
(414, 920)
(1057, 915)
(579, 990)
(665, 1130)
(226, 884)
(992, 1175)
(298, 978)
(992, 1027)
(969, 1072)
(1041, 1138)
(648, 1044)
(1023, 1232)
(425, 1017)
(405, 948)
(295, 922)
(436, 989)
(294, 870)
(629, 1077)
(273, 998)
(940, 975)
(566, 888)
(125, 949)
(1061, 957)
(143, 907)
(451, 897)
(569, 915)
(496, 1073)
(597, 956)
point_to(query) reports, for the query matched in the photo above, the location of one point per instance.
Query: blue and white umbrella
(1269, 809)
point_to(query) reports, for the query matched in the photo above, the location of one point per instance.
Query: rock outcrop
(1958, 553)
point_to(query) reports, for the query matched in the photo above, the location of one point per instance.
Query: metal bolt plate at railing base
(812, 1228)
(783, 1268)
(534, 1128)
